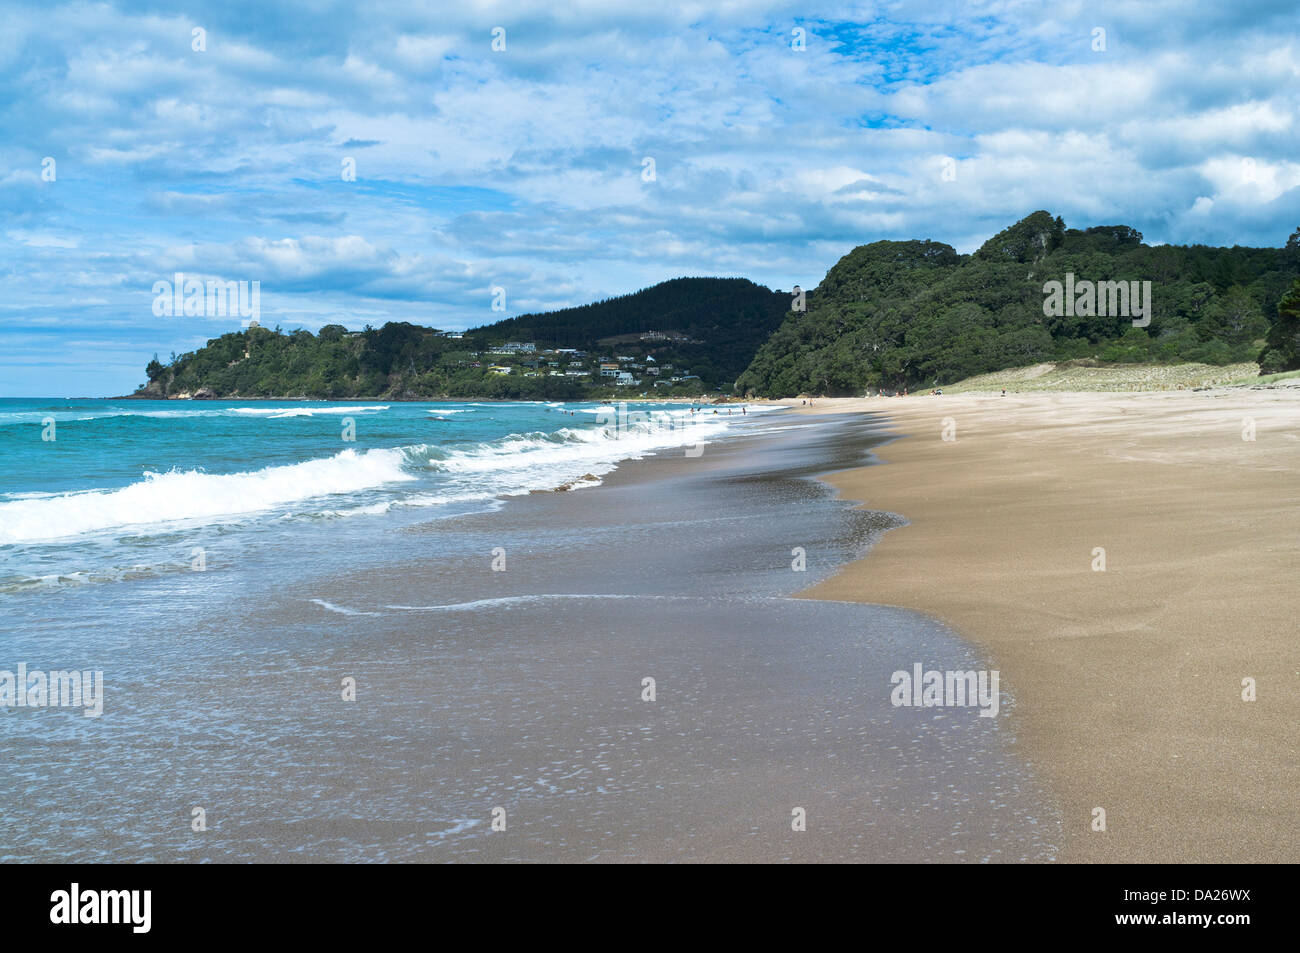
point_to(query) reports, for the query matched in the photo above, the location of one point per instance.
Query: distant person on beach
(1004, 392)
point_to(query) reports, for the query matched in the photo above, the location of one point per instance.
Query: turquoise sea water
(95, 491)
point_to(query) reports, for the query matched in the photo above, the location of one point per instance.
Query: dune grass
(1269, 379)
(1092, 376)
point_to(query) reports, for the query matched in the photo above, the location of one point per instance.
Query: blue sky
(523, 168)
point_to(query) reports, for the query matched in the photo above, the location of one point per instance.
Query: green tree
(1282, 343)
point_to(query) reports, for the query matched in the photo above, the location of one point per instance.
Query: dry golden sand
(1128, 682)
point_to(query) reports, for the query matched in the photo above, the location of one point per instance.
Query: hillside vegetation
(719, 322)
(918, 314)
(711, 328)
(889, 315)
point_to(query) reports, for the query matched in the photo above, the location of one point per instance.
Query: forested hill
(675, 339)
(918, 314)
(717, 324)
(889, 314)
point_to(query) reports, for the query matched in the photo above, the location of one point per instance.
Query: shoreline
(1129, 677)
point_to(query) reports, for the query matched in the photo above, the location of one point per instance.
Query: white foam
(521, 463)
(80, 416)
(278, 412)
(500, 601)
(193, 494)
(342, 610)
(512, 465)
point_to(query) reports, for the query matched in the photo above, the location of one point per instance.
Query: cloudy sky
(610, 145)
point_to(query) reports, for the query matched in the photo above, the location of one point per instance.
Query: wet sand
(1130, 679)
(530, 680)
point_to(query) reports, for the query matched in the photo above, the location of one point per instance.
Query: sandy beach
(1128, 679)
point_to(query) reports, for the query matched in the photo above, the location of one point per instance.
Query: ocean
(101, 490)
(392, 649)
